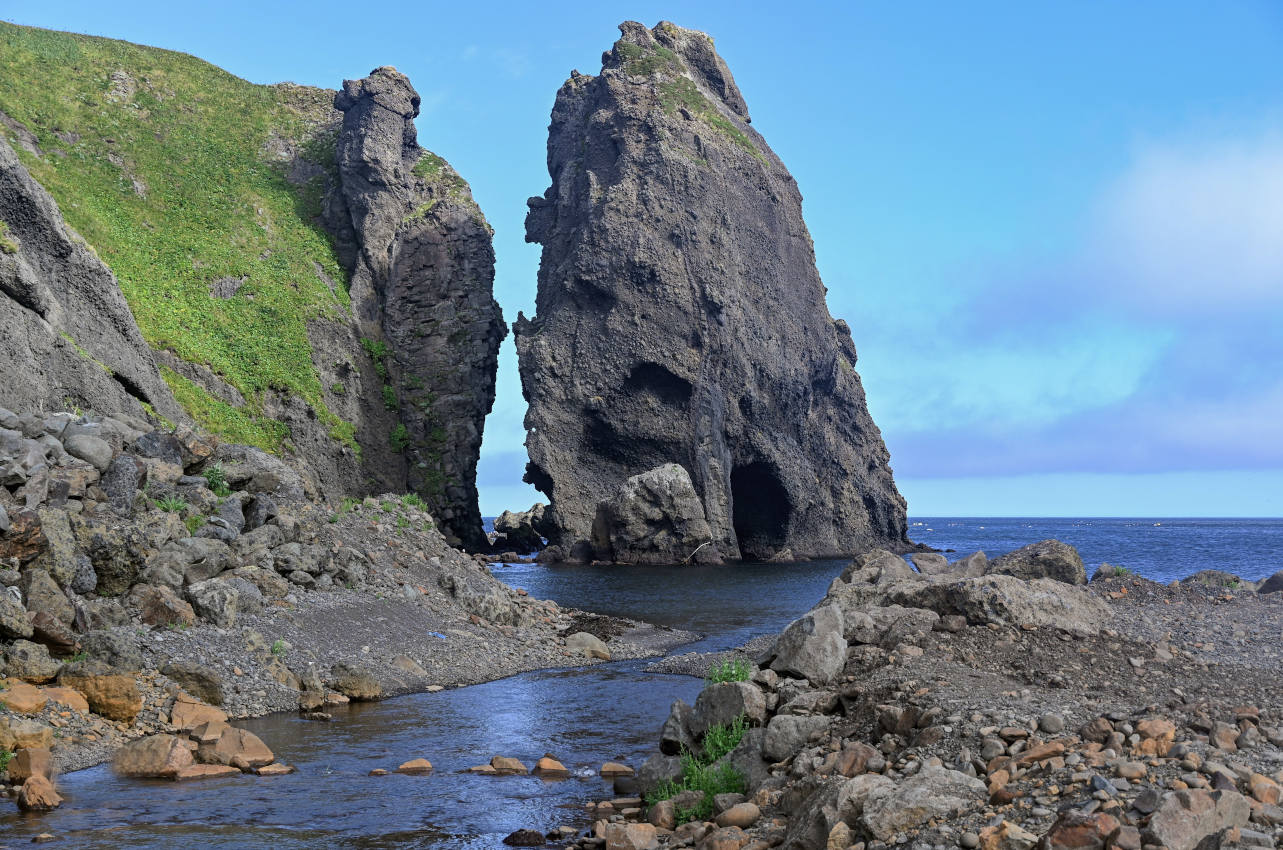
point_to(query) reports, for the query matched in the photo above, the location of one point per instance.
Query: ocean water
(1157, 548)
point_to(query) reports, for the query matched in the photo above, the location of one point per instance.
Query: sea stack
(422, 277)
(680, 322)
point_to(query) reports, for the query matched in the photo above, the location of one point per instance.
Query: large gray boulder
(722, 703)
(812, 647)
(681, 319)
(1184, 819)
(1273, 584)
(521, 530)
(215, 601)
(786, 734)
(654, 518)
(880, 808)
(1045, 559)
(1006, 600)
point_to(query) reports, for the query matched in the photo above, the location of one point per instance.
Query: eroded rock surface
(681, 319)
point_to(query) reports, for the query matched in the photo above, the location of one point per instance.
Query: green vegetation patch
(701, 773)
(683, 93)
(645, 62)
(730, 670)
(171, 169)
(8, 243)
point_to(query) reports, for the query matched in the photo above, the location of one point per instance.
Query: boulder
(30, 662)
(355, 682)
(121, 482)
(931, 563)
(68, 697)
(657, 770)
(117, 553)
(677, 732)
(42, 593)
(215, 601)
(722, 703)
(22, 698)
(13, 618)
(161, 606)
(18, 733)
(201, 681)
(93, 450)
(415, 767)
(114, 647)
(53, 634)
(812, 647)
(60, 558)
(1007, 836)
(160, 445)
(206, 771)
(1007, 600)
(550, 768)
(109, 692)
(631, 836)
(29, 762)
(520, 530)
(1273, 584)
(1184, 818)
(883, 808)
(1075, 830)
(655, 517)
(38, 795)
(1049, 559)
(742, 815)
(590, 645)
(505, 766)
(239, 748)
(747, 758)
(152, 757)
(786, 734)
(25, 538)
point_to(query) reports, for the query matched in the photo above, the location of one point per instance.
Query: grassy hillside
(173, 170)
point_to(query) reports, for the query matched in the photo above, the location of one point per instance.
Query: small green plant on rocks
(1115, 570)
(388, 506)
(730, 670)
(216, 478)
(414, 500)
(700, 773)
(172, 504)
(5, 757)
(8, 245)
(278, 648)
(389, 398)
(194, 523)
(400, 437)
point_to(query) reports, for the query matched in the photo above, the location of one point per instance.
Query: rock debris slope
(681, 319)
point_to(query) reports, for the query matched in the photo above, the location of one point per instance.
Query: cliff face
(422, 273)
(69, 339)
(680, 318)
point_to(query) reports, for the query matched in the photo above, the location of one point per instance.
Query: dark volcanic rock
(69, 337)
(422, 265)
(681, 318)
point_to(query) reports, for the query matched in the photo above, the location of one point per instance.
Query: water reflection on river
(583, 716)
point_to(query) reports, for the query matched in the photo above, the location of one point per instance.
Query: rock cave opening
(762, 510)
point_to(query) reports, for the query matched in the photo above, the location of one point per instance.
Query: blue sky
(1055, 229)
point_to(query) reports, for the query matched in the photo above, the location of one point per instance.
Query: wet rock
(239, 748)
(274, 769)
(38, 795)
(415, 767)
(112, 694)
(205, 771)
(747, 381)
(525, 838)
(201, 681)
(550, 768)
(152, 757)
(355, 682)
(30, 662)
(720, 704)
(655, 517)
(589, 645)
(612, 769)
(812, 646)
(505, 766)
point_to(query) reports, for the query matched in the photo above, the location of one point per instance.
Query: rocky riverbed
(1003, 704)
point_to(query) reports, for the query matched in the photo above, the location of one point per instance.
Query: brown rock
(209, 732)
(1264, 789)
(206, 771)
(742, 815)
(1225, 737)
(726, 838)
(17, 734)
(854, 758)
(1006, 836)
(189, 712)
(506, 766)
(611, 769)
(1041, 752)
(551, 768)
(109, 693)
(161, 606)
(21, 698)
(240, 748)
(276, 769)
(1184, 818)
(25, 539)
(1074, 830)
(38, 795)
(631, 836)
(29, 762)
(47, 630)
(483, 770)
(415, 767)
(663, 815)
(155, 756)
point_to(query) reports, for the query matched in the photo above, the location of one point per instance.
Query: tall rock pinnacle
(681, 320)
(422, 274)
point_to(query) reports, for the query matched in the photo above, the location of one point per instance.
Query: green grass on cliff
(170, 168)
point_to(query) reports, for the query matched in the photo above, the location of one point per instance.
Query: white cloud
(1195, 229)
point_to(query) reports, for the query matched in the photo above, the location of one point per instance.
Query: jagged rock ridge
(681, 319)
(422, 273)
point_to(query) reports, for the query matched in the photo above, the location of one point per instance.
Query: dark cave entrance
(762, 510)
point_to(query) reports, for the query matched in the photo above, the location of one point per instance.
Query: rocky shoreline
(983, 704)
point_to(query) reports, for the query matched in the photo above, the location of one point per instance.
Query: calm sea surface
(585, 716)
